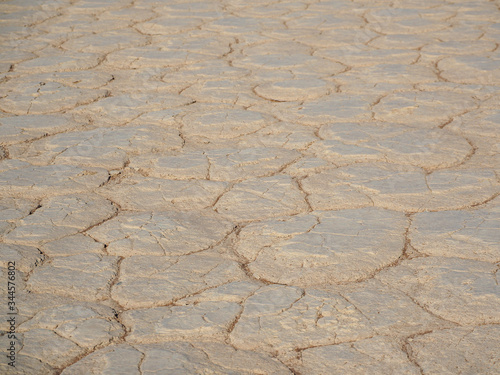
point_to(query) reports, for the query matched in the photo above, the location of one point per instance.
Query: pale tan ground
(251, 187)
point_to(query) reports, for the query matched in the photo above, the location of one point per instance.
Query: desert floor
(250, 187)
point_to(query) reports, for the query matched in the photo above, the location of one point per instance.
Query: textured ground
(265, 187)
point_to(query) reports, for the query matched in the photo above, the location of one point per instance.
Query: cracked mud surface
(217, 187)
